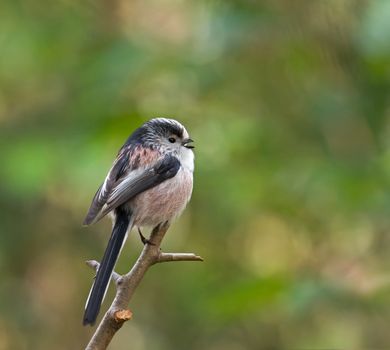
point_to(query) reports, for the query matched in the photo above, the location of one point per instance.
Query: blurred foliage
(289, 104)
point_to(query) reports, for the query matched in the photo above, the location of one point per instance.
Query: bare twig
(166, 257)
(95, 265)
(126, 285)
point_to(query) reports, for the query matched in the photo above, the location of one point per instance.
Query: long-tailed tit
(149, 183)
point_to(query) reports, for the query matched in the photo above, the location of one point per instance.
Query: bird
(149, 183)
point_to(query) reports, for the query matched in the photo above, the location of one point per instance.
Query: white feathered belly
(165, 202)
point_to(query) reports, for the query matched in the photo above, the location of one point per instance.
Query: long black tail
(106, 267)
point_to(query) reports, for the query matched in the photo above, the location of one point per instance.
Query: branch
(126, 285)
(93, 264)
(167, 257)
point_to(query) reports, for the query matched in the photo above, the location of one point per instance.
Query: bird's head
(168, 135)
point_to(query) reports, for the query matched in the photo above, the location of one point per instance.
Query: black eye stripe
(166, 127)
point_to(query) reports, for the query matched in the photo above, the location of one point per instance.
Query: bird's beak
(186, 143)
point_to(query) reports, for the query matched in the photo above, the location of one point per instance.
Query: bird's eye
(172, 140)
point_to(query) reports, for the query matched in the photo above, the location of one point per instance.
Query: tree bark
(126, 285)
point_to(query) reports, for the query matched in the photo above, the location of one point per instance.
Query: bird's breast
(165, 202)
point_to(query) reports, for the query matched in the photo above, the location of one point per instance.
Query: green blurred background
(289, 104)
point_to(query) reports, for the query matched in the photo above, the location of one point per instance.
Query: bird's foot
(144, 240)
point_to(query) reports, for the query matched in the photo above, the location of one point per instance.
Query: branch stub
(123, 315)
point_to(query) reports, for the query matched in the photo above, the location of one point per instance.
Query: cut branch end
(121, 316)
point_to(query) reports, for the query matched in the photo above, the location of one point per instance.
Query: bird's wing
(123, 184)
(118, 169)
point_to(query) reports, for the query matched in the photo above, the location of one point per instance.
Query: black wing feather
(126, 187)
(151, 177)
(116, 172)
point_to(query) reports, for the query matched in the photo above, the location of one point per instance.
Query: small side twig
(93, 264)
(167, 257)
(126, 285)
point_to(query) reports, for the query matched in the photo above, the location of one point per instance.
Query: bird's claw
(144, 240)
